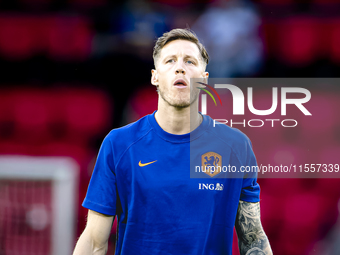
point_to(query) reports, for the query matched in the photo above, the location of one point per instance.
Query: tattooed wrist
(252, 239)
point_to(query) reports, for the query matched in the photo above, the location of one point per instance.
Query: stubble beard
(179, 101)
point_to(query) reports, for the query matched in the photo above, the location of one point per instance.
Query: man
(142, 173)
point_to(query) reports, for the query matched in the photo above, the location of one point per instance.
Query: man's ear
(154, 77)
(205, 77)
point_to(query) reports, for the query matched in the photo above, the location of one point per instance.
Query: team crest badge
(211, 163)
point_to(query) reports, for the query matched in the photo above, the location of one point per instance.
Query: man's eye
(190, 62)
(170, 61)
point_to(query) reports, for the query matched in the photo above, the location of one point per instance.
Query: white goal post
(61, 175)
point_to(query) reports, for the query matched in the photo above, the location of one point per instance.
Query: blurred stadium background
(71, 70)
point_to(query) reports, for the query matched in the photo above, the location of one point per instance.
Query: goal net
(38, 197)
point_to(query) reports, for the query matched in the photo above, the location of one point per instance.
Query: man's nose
(180, 70)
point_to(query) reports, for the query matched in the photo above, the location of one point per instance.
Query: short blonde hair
(179, 34)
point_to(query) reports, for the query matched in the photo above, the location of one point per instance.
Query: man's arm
(94, 239)
(251, 238)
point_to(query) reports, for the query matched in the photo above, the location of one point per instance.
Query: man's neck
(178, 121)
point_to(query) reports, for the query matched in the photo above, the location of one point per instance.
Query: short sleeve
(101, 193)
(250, 188)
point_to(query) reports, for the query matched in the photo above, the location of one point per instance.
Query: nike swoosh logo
(145, 164)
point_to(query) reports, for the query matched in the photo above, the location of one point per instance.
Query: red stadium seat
(305, 213)
(14, 148)
(303, 210)
(69, 38)
(334, 49)
(6, 116)
(298, 41)
(62, 37)
(286, 205)
(39, 116)
(31, 115)
(329, 187)
(85, 112)
(16, 38)
(143, 102)
(61, 148)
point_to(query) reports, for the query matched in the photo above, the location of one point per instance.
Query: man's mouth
(180, 83)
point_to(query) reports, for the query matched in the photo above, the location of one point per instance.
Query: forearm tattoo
(251, 238)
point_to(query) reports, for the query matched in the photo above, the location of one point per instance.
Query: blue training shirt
(171, 193)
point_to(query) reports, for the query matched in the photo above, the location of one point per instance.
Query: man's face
(179, 61)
